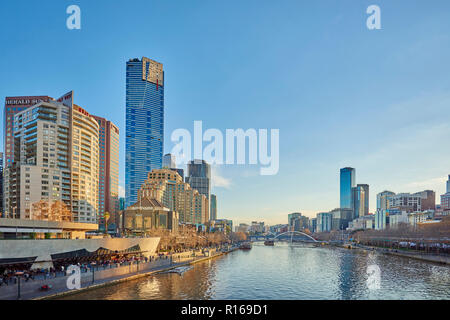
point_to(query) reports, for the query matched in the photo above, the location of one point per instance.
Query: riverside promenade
(429, 257)
(104, 276)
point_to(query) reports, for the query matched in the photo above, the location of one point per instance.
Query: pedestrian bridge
(297, 235)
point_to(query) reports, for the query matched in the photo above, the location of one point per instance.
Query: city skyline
(380, 119)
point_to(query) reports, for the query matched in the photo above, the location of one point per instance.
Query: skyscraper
(213, 210)
(347, 182)
(360, 199)
(199, 176)
(144, 123)
(108, 184)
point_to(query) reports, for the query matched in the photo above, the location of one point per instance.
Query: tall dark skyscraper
(199, 176)
(144, 123)
(347, 182)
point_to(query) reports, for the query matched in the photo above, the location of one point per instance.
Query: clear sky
(341, 95)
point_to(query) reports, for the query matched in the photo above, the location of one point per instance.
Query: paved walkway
(30, 289)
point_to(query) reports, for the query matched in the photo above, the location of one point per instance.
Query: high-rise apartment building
(291, 219)
(383, 205)
(406, 202)
(108, 184)
(360, 199)
(428, 201)
(167, 187)
(213, 209)
(199, 176)
(54, 162)
(347, 182)
(297, 222)
(14, 105)
(383, 199)
(144, 123)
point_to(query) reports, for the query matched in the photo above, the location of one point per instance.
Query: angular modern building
(347, 182)
(108, 184)
(144, 123)
(199, 176)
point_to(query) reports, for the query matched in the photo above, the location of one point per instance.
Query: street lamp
(18, 274)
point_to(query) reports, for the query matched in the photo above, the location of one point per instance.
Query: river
(289, 272)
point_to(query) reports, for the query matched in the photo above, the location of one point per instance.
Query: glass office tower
(199, 176)
(360, 200)
(213, 209)
(144, 123)
(347, 183)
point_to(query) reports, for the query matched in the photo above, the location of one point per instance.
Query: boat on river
(245, 246)
(269, 243)
(179, 270)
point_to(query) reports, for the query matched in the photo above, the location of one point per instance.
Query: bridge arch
(302, 233)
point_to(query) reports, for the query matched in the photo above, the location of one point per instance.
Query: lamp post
(18, 274)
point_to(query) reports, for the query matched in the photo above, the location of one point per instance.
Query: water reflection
(289, 272)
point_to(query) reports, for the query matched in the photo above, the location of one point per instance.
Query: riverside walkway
(102, 276)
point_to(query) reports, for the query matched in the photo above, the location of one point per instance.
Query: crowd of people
(9, 274)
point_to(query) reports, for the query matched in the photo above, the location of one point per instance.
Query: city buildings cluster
(61, 163)
(353, 214)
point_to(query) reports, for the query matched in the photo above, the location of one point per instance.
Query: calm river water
(289, 272)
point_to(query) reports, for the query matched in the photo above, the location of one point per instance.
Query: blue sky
(341, 95)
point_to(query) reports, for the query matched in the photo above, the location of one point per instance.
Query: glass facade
(144, 123)
(347, 183)
(199, 176)
(360, 200)
(213, 210)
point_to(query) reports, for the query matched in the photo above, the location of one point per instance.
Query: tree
(238, 236)
(56, 211)
(106, 217)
